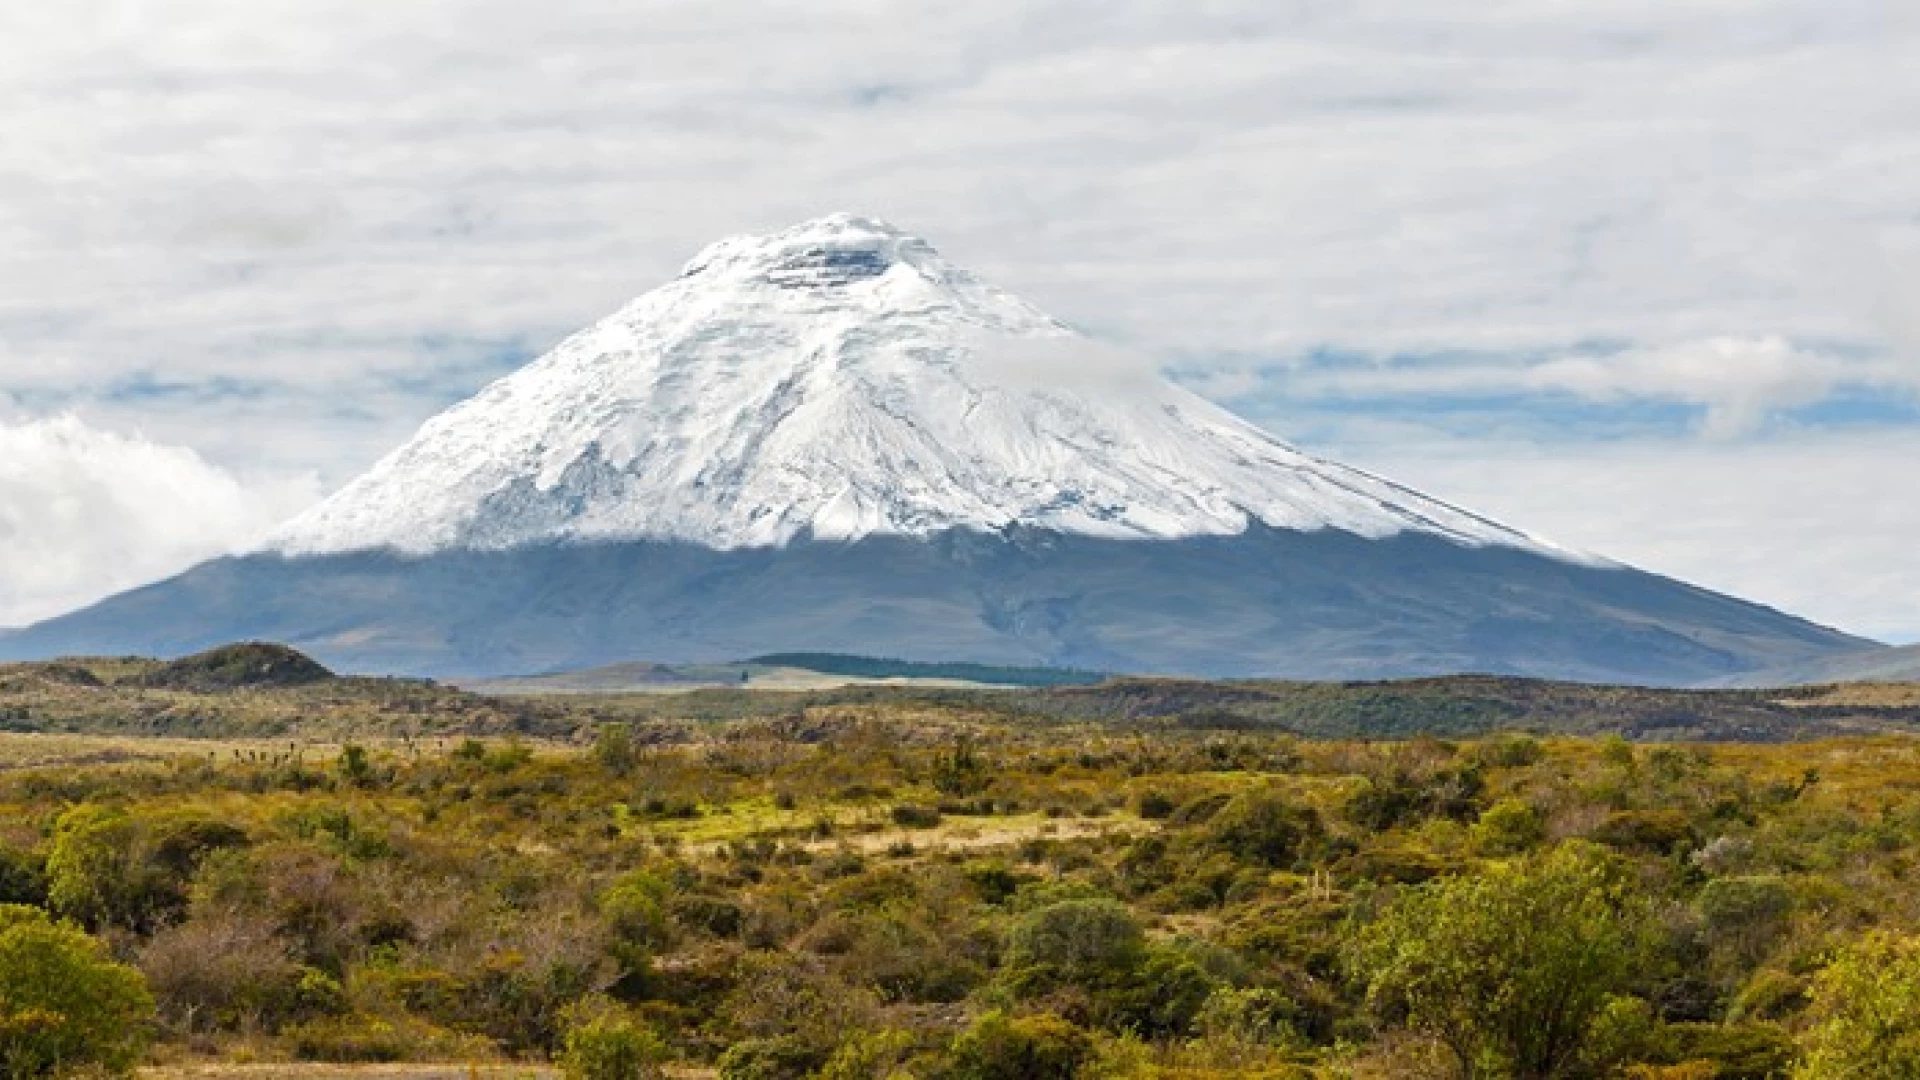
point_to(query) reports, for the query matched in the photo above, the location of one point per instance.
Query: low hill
(249, 690)
(252, 664)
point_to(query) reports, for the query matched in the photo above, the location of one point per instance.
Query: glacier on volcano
(839, 380)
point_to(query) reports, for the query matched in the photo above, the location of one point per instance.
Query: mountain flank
(1887, 665)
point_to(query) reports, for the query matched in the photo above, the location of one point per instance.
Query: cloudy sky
(1640, 275)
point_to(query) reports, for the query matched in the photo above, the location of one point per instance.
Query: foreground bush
(1517, 971)
(779, 1058)
(606, 1042)
(1867, 1008)
(1092, 957)
(1002, 1047)
(64, 1006)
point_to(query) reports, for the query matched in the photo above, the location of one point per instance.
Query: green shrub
(1660, 832)
(355, 766)
(1158, 999)
(915, 816)
(1511, 752)
(64, 1005)
(1098, 950)
(1866, 1012)
(711, 914)
(868, 1055)
(894, 953)
(1265, 828)
(635, 907)
(1400, 797)
(603, 1041)
(781, 1057)
(1745, 916)
(23, 877)
(1079, 942)
(1257, 1017)
(995, 881)
(1509, 827)
(1037, 1047)
(1770, 994)
(1200, 809)
(1395, 865)
(1516, 971)
(319, 994)
(613, 748)
(92, 875)
(349, 1040)
(1735, 1051)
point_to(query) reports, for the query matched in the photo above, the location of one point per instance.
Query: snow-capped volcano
(832, 440)
(838, 380)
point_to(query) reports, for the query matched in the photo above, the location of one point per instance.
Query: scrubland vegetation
(888, 889)
(239, 858)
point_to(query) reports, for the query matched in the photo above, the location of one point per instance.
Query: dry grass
(306, 1071)
(35, 750)
(310, 1071)
(29, 750)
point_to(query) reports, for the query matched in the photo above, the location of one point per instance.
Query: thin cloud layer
(1737, 384)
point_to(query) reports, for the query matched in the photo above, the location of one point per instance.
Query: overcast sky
(1639, 275)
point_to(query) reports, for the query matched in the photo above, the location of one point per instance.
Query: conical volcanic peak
(838, 380)
(832, 439)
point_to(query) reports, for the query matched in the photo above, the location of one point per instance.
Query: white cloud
(1819, 525)
(84, 513)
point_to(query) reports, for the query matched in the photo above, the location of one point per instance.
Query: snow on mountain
(840, 380)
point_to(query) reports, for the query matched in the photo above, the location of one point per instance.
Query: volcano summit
(831, 439)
